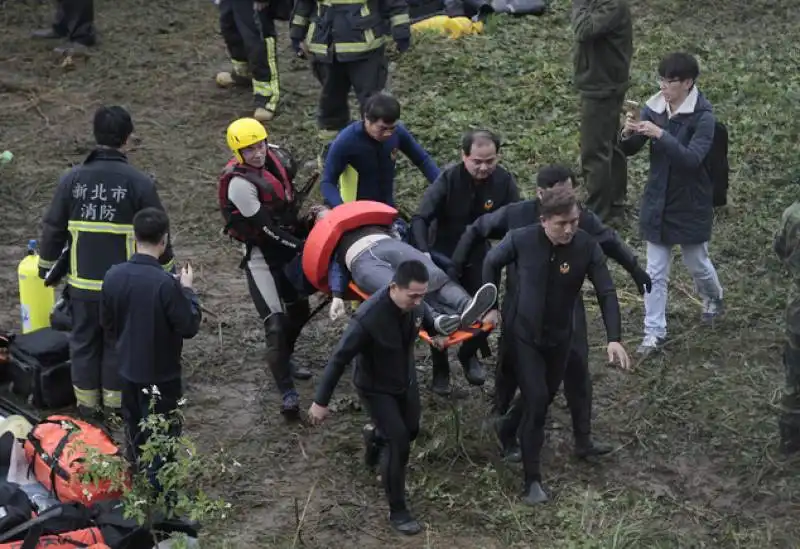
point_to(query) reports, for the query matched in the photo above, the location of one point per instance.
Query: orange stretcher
(324, 237)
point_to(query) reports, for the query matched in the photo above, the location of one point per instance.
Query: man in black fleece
(551, 260)
(380, 337)
(577, 379)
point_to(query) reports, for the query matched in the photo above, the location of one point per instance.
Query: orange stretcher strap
(453, 339)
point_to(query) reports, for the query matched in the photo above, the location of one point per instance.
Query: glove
(642, 280)
(297, 47)
(336, 310)
(403, 45)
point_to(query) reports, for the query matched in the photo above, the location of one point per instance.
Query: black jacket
(549, 281)
(92, 211)
(381, 339)
(496, 225)
(454, 201)
(149, 314)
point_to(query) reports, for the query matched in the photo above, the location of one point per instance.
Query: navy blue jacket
(677, 202)
(149, 314)
(373, 161)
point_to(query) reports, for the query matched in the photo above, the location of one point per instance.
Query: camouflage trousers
(790, 415)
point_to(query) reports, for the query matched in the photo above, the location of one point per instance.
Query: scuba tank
(36, 300)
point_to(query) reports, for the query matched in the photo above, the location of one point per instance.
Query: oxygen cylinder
(36, 300)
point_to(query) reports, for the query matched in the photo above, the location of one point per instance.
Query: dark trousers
(396, 418)
(282, 310)
(74, 21)
(539, 372)
(138, 402)
(250, 37)
(95, 374)
(577, 384)
(602, 160)
(366, 76)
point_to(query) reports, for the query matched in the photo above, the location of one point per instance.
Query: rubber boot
(473, 369)
(403, 522)
(535, 494)
(372, 446)
(297, 314)
(506, 428)
(440, 383)
(585, 447)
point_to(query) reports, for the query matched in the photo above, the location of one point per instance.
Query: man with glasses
(677, 202)
(604, 46)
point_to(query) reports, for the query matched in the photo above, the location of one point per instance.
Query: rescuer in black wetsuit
(577, 378)
(551, 259)
(380, 337)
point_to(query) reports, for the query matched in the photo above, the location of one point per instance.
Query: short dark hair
(557, 201)
(382, 106)
(150, 225)
(472, 136)
(112, 126)
(679, 65)
(553, 174)
(411, 270)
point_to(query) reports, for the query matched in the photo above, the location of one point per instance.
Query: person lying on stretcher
(369, 256)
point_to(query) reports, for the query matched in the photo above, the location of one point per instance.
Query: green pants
(790, 413)
(605, 168)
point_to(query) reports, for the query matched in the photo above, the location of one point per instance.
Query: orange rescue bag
(55, 450)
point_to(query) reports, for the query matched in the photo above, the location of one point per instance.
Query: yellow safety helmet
(245, 132)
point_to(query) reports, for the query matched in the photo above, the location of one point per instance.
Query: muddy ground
(671, 481)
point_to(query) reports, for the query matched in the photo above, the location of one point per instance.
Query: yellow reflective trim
(43, 264)
(100, 227)
(241, 68)
(341, 2)
(169, 265)
(360, 47)
(87, 397)
(300, 21)
(112, 399)
(402, 19)
(274, 80)
(261, 88)
(73, 253)
(84, 283)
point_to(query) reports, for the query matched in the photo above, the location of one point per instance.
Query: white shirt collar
(658, 104)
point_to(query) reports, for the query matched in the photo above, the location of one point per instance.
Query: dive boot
(403, 522)
(473, 369)
(588, 448)
(440, 382)
(535, 495)
(290, 406)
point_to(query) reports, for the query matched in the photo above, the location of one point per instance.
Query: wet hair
(382, 106)
(410, 271)
(557, 201)
(150, 225)
(553, 174)
(473, 136)
(680, 66)
(112, 126)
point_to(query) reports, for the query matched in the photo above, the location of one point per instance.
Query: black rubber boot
(585, 447)
(473, 369)
(440, 383)
(403, 522)
(535, 495)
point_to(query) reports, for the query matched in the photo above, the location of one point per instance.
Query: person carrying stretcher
(370, 255)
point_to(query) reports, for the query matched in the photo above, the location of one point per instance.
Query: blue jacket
(149, 314)
(677, 202)
(374, 161)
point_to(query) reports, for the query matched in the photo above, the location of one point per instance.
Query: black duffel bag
(39, 368)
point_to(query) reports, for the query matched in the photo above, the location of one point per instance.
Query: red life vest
(277, 194)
